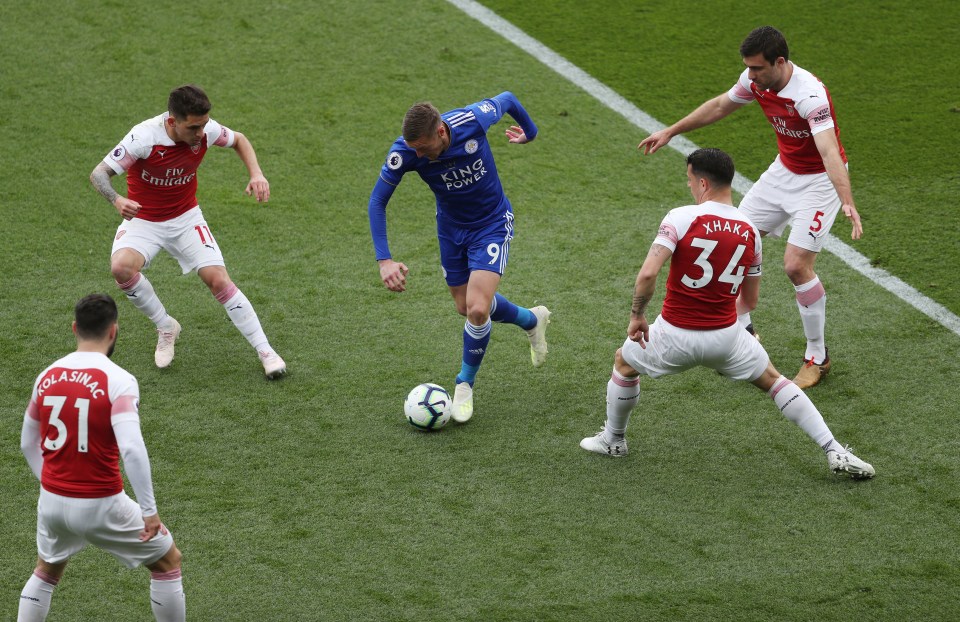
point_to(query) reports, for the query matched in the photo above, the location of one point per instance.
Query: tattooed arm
(638, 329)
(100, 178)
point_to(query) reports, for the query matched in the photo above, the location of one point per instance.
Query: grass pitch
(311, 498)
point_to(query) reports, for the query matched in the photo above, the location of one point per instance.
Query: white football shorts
(65, 525)
(808, 203)
(187, 237)
(732, 351)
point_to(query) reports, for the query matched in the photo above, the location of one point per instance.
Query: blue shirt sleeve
(507, 102)
(377, 212)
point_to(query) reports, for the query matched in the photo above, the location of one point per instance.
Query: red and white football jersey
(714, 248)
(161, 173)
(76, 402)
(802, 109)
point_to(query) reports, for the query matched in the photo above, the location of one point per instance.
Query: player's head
(189, 110)
(187, 100)
(765, 40)
(424, 131)
(765, 53)
(95, 320)
(709, 171)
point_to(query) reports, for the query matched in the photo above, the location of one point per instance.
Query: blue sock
(502, 310)
(475, 340)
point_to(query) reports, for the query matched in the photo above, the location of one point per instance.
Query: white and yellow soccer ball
(427, 406)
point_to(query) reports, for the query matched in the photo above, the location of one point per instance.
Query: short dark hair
(95, 314)
(421, 120)
(765, 40)
(186, 100)
(713, 165)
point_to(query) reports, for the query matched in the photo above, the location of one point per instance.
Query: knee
(216, 280)
(623, 367)
(170, 561)
(798, 271)
(477, 316)
(122, 271)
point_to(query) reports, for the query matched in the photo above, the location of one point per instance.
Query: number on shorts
(82, 405)
(494, 251)
(200, 229)
(732, 274)
(816, 219)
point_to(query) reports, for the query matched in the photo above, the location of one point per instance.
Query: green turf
(311, 498)
(886, 65)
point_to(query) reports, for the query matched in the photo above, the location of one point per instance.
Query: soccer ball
(427, 406)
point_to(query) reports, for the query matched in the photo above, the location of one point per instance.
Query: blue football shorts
(463, 251)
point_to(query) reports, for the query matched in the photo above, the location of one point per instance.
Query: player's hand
(516, 135)
(127, 208)
(654, 141)
(394, 275)
(258, 187)
(854, 217)
(151, 527)
(638, 330)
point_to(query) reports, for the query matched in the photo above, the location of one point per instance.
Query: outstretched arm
(707, 113)
(258, 185)
(829, 149)
(100, 178)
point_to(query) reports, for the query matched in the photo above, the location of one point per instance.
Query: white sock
(812, 302)
(244, 317)
(622, 396)
(35, 600)
(797, 407)
(140, 292)
(167, 598)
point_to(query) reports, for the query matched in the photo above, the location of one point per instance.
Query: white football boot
(166, 337)
(597, 444)
(462, 408)
(273, 365)
(538, 336)
(846, 462)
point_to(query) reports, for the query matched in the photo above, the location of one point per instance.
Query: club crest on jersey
(394, 160)
(486, 107)
(118, 153)
(790, 110)
(195, 149)
(471, 146)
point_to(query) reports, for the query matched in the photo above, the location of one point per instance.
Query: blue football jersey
(464, 178)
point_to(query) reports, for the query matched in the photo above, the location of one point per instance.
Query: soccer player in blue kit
(451, 154)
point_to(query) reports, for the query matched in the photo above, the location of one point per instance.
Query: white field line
(614, 101)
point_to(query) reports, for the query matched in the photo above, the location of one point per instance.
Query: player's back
(74, 401)
(714, 248)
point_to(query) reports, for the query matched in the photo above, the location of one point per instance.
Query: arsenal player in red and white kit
(806, 186)
(714, 252)
(82, 419)
(160, 158)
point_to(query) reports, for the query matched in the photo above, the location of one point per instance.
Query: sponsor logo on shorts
(471, 146)
(394, 160)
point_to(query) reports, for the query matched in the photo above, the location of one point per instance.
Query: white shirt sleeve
(136, 462)
(219, 135)
(740, 92)
(30, 440)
